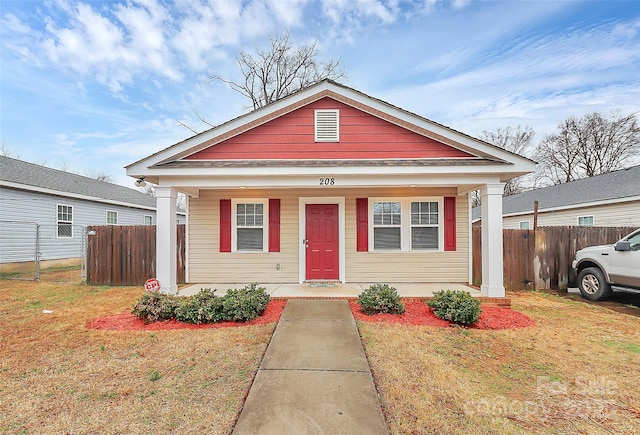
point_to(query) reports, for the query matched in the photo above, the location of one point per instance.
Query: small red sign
(152, 285)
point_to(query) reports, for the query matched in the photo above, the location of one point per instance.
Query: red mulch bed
(129, 322)
(416, 313)
(419, 313)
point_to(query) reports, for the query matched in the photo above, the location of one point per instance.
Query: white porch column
(166, 243)
(492, 256)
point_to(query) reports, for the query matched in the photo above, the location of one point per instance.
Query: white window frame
(63, 222)
(325, 137)
(150, 219)
(265, 223)
(405, 227)
(593, 220)
(528, 225)
(107, 217)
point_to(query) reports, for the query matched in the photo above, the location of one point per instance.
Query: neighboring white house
(61, 204)
(607, 200)
(330, 184)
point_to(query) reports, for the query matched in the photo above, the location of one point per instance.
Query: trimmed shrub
(380, 298)
(456, 306)
(152, 307)
(247, 303)
(203, 307)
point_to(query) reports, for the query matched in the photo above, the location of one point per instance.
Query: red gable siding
(362, 136)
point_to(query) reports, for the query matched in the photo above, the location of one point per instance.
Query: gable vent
(327, 126)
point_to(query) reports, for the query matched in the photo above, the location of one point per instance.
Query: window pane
(386, 238)
(240, 208)
(424, 238)
(424, 213)
(249, 221)
(258, 208)
(249, 239)
(112, 217)
(585, 221)
(258, 220)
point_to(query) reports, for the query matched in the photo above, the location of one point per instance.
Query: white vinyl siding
(327, 126)
(623, 214)
(206, 264)
(249, 219)
(42, 208)
(65, 221)
(112, 217)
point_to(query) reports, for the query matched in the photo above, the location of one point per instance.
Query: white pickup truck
(603, 269)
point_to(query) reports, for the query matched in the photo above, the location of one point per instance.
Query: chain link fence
(43, 252)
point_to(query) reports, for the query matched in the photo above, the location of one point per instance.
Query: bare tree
(4, 150)
(588, 146)
(100, 176)
(518, 140)
(270, 75)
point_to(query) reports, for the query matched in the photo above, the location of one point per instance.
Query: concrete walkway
(314, 377)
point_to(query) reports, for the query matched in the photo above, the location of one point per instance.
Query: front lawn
(57, 376)
(576, 371)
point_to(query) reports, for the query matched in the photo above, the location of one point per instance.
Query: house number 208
(327, 181)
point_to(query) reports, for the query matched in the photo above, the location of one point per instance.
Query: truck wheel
(593, 285)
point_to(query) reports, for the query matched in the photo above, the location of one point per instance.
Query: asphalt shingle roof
(614, 185)
(30, 174)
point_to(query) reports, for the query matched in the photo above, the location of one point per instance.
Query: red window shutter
(274, 225)
(450, 223)
(362, 224)
(225, 225)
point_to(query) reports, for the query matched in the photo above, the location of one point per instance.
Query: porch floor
(337, 290)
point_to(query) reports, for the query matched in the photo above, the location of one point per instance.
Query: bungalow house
(330, 184)
(607, 200)
(60, 205)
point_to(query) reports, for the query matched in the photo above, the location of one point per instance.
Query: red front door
(322, 242)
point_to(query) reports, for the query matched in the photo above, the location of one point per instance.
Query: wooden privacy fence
(541, 259)
(126, 255)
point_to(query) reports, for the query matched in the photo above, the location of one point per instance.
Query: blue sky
(91, 86)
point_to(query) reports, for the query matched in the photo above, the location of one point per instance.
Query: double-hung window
(387, 225)
(425, 221)
(112, 217)
(406, 224)
(250, 225)
(585, 221)
(65, 221)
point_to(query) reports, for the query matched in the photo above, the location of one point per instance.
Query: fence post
(37, 253)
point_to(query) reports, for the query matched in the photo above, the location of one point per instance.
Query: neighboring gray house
(62, 204)
(607, 200)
